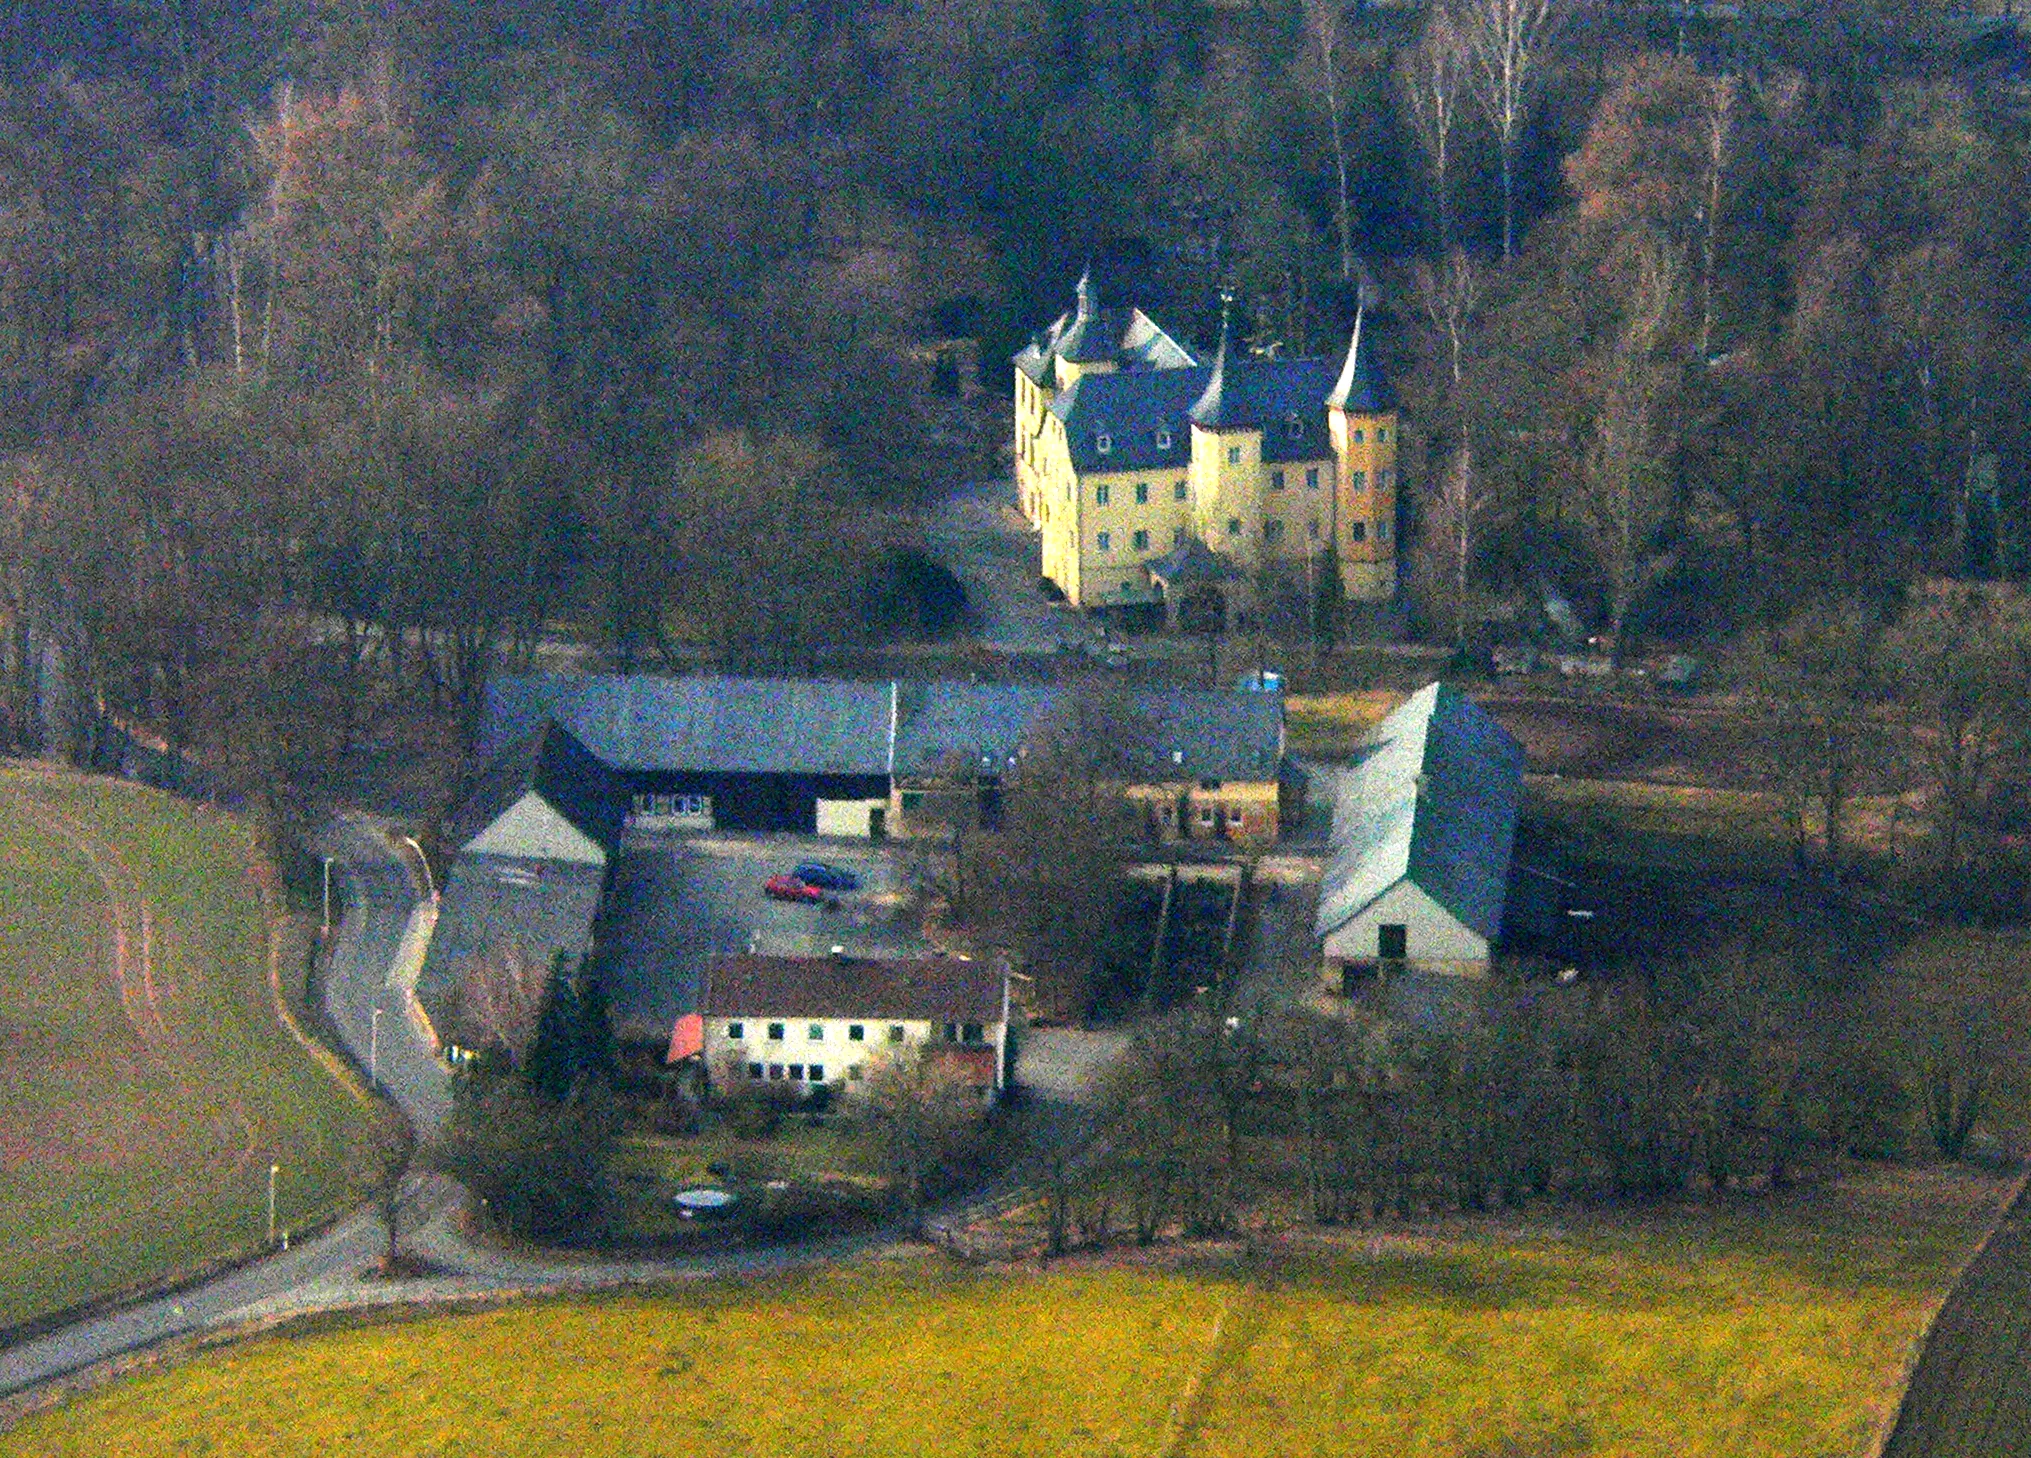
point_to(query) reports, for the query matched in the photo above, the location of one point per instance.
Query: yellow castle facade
(1145, 472)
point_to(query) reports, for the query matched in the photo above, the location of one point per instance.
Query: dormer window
(1163, 440)
(1294, 427)
(1103, 443)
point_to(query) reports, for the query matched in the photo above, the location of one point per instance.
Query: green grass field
(146, 1081)
(1761, 1327)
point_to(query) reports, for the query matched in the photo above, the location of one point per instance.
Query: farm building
(534, 839)
(1423, 827)
(839, 758)
(817, 1021)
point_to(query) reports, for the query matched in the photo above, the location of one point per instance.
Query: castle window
(1381, 434)
(754, 1070)
(1163, 440)
(1234, 526)
(1294, 427)
(1272, 530)
(1382, 532)
(1357, 480)
(1384, 480)
(1104, 542)
(1276, 480)
(1234, 455)
(1358, 532)
(1312, 530)
(1178, 492)
(1140, 541)
(1359, 436)
(1100, 494)
(1141, 493)
(1103, 443)
(1311, 478)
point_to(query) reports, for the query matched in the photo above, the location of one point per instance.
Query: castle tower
(1361, 417)
(1226, 472)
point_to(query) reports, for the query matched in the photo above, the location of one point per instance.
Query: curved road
(375, 939)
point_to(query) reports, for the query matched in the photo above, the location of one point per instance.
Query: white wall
(847, 818)
(532, 830)
(835, 1050)
(1433, 937)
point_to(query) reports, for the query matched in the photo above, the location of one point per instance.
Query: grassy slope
(134, 1158)
(1761, 1328)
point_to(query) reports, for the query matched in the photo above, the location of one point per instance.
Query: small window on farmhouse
(1311, 478)
(1104, 444)
(1234, 818)
(816, 1033)
(754, 1070)
(1142, 493)
(775, 1032)
(1103, 542)
(856, 1032)
(1206, 816)
(895, 1032)
(1178, 491)
(817, 1072)
(1357, 480)
(1100, 494)
(973, 1033)
(1392, 939)
(736, 1030)
(1163, 440)
(1234, 455)
(1381, 434)
(775, 1072)
(796, 1073)
(1140, 541)
(1359, 437)
(1276, 480)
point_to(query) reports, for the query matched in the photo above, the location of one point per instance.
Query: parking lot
(680, 901)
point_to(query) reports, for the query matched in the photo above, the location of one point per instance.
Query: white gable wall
(532, 830)
(1434, 938)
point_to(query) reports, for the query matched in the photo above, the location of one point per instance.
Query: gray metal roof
(1361, 386)
(496, 904)
(931, 989)
(1134, 413)
(1094, 334)
(1434, 802)
(730, 725)
(1183, 733)
(553, 764)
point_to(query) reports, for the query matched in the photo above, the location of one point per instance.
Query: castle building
(1142, 469)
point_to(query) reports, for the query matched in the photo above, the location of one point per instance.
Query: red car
(789, 888)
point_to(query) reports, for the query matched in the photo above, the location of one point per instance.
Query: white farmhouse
(813, 1021)
(1422, 833)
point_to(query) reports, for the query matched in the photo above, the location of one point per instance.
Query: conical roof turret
(1085, 340)
(1212, 410)
(1361, 386)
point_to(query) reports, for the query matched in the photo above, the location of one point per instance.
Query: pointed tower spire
(1361, 386)
(1089, 299)
(1211, 408)
(1085, 340)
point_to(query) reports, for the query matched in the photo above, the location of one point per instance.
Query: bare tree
(1626, 497)
(1505, 39)
(1451, 297)
(1322, 27)
(1432, 77)
(923, 1117)
(1719, 131)
(500, 1000)
(1456, 510)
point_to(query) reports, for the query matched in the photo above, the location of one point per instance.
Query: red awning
(687, 1039)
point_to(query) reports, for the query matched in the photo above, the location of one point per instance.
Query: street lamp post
(327, 898)
(429, 881)
(374, 1050)
(273, 1170)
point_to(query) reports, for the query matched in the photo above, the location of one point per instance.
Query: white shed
(1422, 834)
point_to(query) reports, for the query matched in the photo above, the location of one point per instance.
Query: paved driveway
(979, 537)
(682, 901)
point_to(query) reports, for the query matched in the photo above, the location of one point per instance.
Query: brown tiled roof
(931, 989)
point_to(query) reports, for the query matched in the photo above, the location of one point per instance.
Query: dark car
(789, 888)
(832, 878)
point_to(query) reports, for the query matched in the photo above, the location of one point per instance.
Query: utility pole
(374, 1051)
(273, 1170)
(327, 897)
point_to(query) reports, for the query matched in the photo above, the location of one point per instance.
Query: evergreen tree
(553, 1063)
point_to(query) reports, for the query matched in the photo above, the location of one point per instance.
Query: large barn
(1423, 828)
